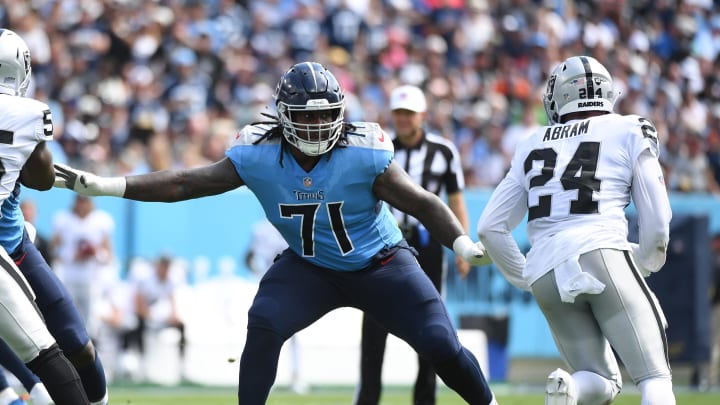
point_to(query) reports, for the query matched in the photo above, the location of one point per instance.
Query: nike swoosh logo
(386, 260)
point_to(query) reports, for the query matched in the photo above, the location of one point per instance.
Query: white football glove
(635, 254)
(86, 183)
(472, 252)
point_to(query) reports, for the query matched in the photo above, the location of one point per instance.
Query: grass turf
(144, 395)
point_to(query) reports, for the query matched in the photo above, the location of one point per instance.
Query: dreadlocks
(276, 130)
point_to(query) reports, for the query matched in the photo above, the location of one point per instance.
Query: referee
(434, 163)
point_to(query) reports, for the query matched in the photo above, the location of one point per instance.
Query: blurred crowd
(139, 85)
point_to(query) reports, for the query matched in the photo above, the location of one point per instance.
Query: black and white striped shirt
(434, 163)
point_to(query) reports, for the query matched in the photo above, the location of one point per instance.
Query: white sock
(103, 401)
(656, 391)
(8, 395)
(593, 388)
(40, 396)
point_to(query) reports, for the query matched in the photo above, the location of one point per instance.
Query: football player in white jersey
(25, 127)
(574, 179)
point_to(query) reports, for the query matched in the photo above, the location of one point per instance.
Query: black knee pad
(83, 357)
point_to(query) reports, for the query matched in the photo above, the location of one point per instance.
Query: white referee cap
(408, 98)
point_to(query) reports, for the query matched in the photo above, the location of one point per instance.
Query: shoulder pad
(32, 108)
(249, 134)
(30, 112)
(369, 135)
(645, 128)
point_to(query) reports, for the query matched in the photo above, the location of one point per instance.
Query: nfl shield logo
(307, 182)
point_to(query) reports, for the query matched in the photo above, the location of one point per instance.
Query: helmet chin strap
(314, 148)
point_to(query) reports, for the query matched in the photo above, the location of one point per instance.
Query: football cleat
(560, 389)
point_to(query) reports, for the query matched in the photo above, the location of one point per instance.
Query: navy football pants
(431, 256)
(61, 316)
(394, 291)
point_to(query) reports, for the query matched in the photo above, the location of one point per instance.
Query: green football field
(142, 395)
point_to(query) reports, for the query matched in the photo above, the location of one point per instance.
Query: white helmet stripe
(314, 75)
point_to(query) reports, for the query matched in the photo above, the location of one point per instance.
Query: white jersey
(24, 123)
(574, 181)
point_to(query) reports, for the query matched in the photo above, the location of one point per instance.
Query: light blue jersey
(330, 215)
(12, 223)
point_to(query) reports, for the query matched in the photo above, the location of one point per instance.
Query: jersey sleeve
(654, 213)
(371, 137)
(40, 120)
(503, 213)
(45, 133)
(643, 136)
(238, 152)
(386, 151)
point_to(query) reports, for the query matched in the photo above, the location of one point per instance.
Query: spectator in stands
(672, 52)
(156, 304)
(82, 242)
(692, 173)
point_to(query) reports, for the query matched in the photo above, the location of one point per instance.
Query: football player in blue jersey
(322, 183)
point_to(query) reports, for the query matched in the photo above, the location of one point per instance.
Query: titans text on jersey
(329, 215)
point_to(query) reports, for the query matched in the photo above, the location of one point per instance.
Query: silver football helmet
(580, 83)
(14, 64)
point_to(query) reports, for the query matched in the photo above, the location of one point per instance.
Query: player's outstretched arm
(654, 213)
(161, 186)
(400, 191)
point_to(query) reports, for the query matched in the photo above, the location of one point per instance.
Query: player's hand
(74, 179)
(472, 252)
(462, 267)
(635, 253)
(86, 183)
(65, 177)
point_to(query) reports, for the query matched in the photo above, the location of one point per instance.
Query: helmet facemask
(22, 88)
(15, 70)
(309, 87)
(312, 139)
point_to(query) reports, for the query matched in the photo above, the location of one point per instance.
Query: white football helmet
(14, 64)
(580, 83)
